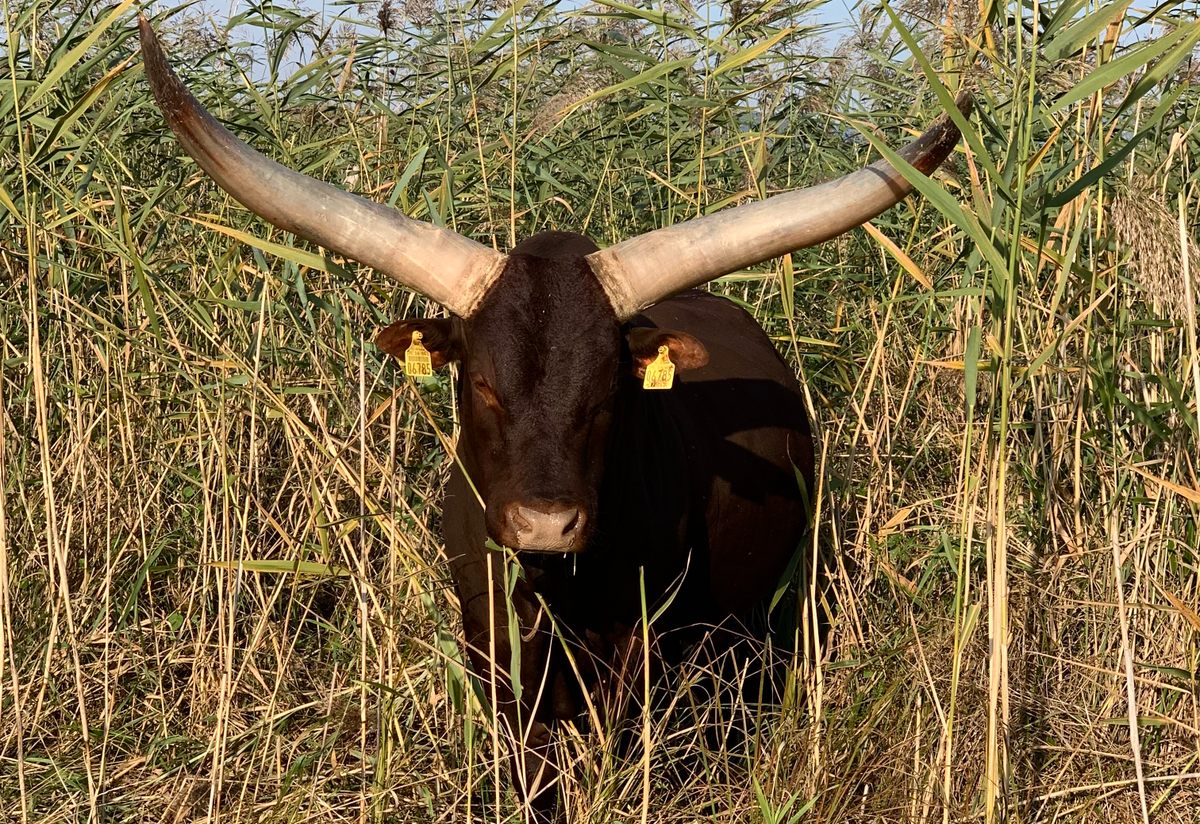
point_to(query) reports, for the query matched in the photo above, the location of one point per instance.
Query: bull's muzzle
(543, 526)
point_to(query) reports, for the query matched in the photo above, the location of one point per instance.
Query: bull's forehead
(545, 327)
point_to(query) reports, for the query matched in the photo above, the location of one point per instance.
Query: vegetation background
(221, 594)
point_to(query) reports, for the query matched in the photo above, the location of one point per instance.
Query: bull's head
(539, 333)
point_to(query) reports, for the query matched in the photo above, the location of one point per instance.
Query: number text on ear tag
(660, 374)
(417, 362)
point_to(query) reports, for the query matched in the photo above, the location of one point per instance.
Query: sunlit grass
(1004, 375)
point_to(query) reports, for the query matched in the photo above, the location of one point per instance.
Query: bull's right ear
(437, 335)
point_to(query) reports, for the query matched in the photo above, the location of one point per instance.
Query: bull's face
(539, 367)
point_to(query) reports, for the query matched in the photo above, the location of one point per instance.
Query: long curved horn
(641, 271)
(453, 270)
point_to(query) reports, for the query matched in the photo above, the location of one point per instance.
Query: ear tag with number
(660, 374)
(417, 362)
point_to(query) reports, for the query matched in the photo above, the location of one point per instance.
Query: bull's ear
(686, 351)
(437, 335)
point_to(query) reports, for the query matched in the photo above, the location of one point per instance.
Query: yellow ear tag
(417, 362)
(660, 374)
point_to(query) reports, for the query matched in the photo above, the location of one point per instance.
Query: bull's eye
(486, 393)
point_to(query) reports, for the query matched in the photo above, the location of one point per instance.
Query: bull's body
(703, 493)
(699, 490)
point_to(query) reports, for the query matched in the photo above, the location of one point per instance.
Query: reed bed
(222, 594)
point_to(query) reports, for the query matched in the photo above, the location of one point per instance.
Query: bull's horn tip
(146, 35)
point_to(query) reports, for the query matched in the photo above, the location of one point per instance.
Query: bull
(690, 500)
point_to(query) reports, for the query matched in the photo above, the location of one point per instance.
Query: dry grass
(1009, 508)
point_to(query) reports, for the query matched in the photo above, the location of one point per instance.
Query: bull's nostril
(574, 520)
(517, 520)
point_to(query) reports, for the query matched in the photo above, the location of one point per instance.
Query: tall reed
(221, 587)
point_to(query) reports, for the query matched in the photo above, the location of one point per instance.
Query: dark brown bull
(694, 496)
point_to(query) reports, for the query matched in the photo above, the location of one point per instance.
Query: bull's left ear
(437, 335)
(686, 351)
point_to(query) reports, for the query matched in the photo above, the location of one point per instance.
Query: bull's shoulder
(694, 308)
